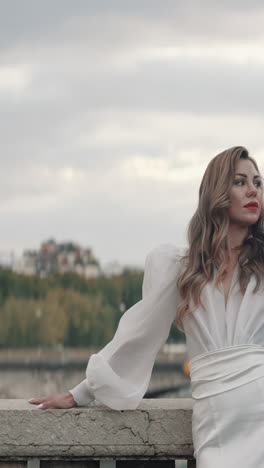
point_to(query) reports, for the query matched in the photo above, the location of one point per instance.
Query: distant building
(53, 257)
(7, 258)
(29, 262)
(112, 268)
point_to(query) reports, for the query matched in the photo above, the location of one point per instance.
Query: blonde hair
(207, 235)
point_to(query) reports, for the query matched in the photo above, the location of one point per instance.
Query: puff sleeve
(118, 376)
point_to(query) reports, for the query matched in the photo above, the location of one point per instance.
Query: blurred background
(110, 112)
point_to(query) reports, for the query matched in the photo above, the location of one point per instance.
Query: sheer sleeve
(118, 375)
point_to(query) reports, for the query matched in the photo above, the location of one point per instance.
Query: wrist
(71, 399)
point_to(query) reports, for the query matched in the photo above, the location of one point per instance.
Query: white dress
(226, 351)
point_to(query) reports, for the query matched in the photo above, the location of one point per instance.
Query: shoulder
(164, 260)
(162, 267)
(166, 253)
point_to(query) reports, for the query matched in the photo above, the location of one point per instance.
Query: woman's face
(247, 187)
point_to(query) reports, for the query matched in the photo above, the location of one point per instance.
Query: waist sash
(224, 369)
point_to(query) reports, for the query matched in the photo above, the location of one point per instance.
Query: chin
(244, 222)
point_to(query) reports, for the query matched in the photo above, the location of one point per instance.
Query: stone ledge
(159, 428)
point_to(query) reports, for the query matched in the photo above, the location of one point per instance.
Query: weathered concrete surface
(160, 428)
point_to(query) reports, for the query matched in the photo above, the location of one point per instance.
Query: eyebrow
(245, 175)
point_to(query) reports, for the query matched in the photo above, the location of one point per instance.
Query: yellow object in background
(186, 368)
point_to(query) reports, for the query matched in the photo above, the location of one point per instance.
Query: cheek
(236, 198)
(235, 203)
(233, 200)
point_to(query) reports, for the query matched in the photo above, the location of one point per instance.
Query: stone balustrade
(155, 434)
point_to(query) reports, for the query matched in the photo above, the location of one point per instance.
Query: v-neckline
(232, 283)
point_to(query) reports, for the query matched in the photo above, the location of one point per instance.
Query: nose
(252, 191)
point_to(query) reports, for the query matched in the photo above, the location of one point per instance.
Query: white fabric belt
(224, 369)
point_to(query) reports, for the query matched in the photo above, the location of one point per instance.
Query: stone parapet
(159, 429)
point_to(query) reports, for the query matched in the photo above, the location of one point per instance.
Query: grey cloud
(79, 52)
(118, 22)
(104, 222)
(183, 85)
(45, 128)
(198, 86)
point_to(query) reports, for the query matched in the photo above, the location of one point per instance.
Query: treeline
(65, 309)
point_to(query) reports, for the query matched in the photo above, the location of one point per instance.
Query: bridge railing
(154, 435)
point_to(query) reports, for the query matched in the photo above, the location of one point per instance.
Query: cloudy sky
(111, 110)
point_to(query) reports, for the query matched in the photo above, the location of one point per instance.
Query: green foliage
(18, 285)
(65, 309)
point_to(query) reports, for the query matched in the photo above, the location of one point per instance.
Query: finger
(55, 404)
(37, 401)
(44, 406)
(47, 404)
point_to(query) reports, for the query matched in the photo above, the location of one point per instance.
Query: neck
(236, 236)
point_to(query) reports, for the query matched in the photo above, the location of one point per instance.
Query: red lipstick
(253, 205)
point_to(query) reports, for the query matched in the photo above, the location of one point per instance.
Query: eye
(241, 182)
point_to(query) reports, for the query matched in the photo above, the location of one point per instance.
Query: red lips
(254, 204)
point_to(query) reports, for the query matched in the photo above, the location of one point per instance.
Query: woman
(217, 289)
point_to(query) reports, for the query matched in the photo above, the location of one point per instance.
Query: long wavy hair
(207, 236)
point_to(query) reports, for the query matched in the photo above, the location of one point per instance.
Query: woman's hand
(60, 400)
